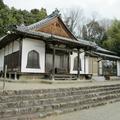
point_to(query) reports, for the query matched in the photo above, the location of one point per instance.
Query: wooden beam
(61, 49)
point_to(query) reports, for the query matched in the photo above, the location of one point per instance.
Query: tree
(105, 23)
(12, 16)
(84, 32)
(2, 5)
(38, 14)
(93, 31)
(113, 41)
(72, 19)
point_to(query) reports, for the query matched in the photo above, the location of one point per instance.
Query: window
(33, 59)
(75, 67)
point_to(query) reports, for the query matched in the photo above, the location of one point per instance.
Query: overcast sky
(105, 8)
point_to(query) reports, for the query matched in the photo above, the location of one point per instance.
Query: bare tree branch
(72, 18)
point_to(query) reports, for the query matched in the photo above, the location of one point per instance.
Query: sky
(104, 8)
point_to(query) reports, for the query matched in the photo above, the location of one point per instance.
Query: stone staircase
(34, 104)
(65, 77)
(98, 78)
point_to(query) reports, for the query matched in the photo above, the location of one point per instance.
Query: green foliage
(1, 4)
(12, 16)
(113, 41)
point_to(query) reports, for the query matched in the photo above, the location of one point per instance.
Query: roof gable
(53, 25)
(56, 27)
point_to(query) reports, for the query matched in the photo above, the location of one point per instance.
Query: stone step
(32, 102)
(57, 78)
(65, 77)
(21, 114)
(38, 115)
(52, 95)
(98, 78)
(18, 105)
(43, 91)
(53, 105)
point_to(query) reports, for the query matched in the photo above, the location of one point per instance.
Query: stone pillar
(78, 76)
(118, 67)
(53, 66)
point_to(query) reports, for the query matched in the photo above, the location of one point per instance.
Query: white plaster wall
(1, 59)
(118, 68)
(12, 47)
(16, 46)
(6, 50)
(37, 45)
(72, 63)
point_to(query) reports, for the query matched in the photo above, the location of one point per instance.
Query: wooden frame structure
(52, 33)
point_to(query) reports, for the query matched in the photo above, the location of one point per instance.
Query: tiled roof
(48, 35)
(38, 24)
(98, 48)
(107, 55)
(41, 23)
(85, 42)
(28, 30)
(3, 37)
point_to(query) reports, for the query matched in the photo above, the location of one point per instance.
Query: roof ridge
(56, 12)
(45, 20)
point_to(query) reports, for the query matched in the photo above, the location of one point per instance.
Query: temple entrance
(61, 63)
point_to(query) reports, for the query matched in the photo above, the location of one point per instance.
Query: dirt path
(22, 86)
(107, 112)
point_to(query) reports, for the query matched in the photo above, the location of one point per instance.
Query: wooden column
(12, 56)
(69, 62)
(53, 66)
(20, 54)
(98, 67)
(78, 64)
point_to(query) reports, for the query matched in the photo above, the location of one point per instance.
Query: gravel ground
(22, 86)
(107, 112)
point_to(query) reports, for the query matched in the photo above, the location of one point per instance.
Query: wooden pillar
(69, 62)
(53, 64)
(12, 64)
(98, 68)
(5, 72)
(20, 54)
(84, 64)
(78, 64)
